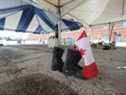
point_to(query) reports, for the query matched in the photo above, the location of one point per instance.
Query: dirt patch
(16, 62)
(36, 84)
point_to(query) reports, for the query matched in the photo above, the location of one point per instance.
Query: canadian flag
(90, 68)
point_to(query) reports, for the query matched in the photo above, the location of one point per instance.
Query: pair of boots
(69, 65)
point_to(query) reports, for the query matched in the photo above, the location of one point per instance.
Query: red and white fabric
(90, 68)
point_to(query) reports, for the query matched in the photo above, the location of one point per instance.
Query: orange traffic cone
(90, 68)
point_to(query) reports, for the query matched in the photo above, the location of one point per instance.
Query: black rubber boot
(71, 67)
(57, 62)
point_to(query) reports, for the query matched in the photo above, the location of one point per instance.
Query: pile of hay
(36, 84)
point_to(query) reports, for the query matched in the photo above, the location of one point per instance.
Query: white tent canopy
(28, 16)
(66, 5)
(90, 12)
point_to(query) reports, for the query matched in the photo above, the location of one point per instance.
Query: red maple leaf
(82, 51)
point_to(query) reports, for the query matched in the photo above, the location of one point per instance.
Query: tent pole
(111, 27)
(123, 7)
(59, 30)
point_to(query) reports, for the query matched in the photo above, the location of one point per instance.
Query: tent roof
(91, 12)
(24, 16)
(66, 5)
(101, 11)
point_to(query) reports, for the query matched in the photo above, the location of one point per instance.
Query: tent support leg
(59, 23)
(111, 27)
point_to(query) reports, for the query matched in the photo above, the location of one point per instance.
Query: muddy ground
(25, 70)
